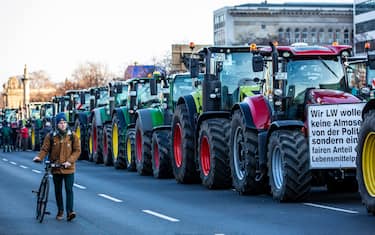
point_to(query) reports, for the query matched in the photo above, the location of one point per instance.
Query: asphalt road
(109, 201)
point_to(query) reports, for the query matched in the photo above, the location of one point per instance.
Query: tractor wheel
(107, 146)
(161, 162)
(213, 149)
(81, 133)
(366, 161)
(35, 138)
(244, 158)
(130, 150)
(288, 165)
(143, 149)
(118, 144)
(90, 142)
(96, 135)
(183, 152)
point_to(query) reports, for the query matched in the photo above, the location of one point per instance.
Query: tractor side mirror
(219, 67)
(258, 63)
(371, 61)
(194, 68)
(153, 86)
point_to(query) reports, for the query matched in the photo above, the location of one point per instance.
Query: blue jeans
(68, 181)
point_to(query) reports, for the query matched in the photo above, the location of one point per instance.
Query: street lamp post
(25, 82)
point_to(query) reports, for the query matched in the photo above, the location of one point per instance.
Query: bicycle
(42, 193)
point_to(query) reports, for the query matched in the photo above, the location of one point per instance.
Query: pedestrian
(64, 147)
(45, 130)
(6, 133)
(24, 137)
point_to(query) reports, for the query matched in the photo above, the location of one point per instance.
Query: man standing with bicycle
(64, 147)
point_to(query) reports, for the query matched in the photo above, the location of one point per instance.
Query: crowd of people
(16, 136)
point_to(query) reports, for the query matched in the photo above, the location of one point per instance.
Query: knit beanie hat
(60, 117)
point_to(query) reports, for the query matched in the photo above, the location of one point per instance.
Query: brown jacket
(62, 150)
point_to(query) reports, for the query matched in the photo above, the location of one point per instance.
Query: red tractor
(302, 130)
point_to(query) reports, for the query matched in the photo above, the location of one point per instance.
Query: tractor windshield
(183, 85)
(314, 73)
(122, 97)
(145, 98)
(237, 69)
(103, 100)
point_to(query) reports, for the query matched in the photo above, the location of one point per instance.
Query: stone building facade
(313, 23)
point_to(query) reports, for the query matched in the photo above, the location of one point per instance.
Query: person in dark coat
(6, 132)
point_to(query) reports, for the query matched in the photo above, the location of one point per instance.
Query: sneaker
(60, 215)
(71, 216)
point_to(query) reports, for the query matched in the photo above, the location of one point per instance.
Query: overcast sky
(57, 36)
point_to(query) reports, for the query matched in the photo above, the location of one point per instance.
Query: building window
(287, 35)
(346, 36)
(364, 7)
(337, 36)
(330, 36)
(297, 35)
(304, 35)
(219, 21)
(313, 35)
(321, 36)
(281, 35)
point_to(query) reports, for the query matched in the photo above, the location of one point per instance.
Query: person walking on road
(63, 146)
(7, 134)
(24, 137)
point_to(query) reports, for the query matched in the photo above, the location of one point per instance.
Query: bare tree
(88, 75)
(165, 61)
(40, 79)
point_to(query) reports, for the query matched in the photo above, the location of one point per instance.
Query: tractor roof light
(367, 45)
(253, 47)
(192, 45)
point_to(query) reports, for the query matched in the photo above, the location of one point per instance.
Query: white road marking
(79, 186)
(331, 208)
(109, 197)
(5, 160)
(24, 167)
(13, 163)
(219, 234)
(36, 171)
(161, 216)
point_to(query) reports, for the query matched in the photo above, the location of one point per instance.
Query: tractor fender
(257, 112)
(191, 108)
(163, 127)
(98, 118)
(369, 106)
(149, 118)
(82, 117)
(120, 115)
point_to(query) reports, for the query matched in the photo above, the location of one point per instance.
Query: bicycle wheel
(42, 199)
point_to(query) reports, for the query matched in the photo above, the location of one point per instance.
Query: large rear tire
(97, 135)
(143, 149)
(107, 145)
(244, 159)
(81, 132)
(213, 149)
(183, 150)
(161, 161)
(366, 161)
(118, 144)
(288, 165)
(130, 150)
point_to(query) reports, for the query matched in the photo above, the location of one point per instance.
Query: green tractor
(114, 131)
(158, 131)
(98, 116)
(40, 114)
(201, 120)
(366, 142)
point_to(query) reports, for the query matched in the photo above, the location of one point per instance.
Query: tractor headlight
(278, 92)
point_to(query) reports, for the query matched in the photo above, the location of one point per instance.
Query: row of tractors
(268, 119)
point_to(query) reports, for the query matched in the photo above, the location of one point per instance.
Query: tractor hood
(324, 96)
